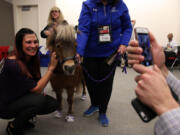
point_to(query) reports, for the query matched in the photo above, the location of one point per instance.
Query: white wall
(160, 16)
(44, 8)
(43, 11)
(71, 9)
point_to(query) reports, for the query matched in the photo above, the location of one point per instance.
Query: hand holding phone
(142, 36)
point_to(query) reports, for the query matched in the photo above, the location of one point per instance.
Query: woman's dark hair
(30, 68)
(114, 2)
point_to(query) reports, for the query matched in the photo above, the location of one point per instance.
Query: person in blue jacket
(104, 28)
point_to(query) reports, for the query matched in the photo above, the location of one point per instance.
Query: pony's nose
(69, 69)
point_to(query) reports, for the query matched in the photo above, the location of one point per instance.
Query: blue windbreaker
(94, 14)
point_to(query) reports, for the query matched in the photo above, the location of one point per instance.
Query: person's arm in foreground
(44, 80)
(152, 89)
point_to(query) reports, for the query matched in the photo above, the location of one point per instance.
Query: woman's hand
(122, 49)
(53, 62)
(78, 57)
(47, 32)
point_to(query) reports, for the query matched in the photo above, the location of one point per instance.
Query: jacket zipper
(104, 10)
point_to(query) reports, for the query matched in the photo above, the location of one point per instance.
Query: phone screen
(144, 42)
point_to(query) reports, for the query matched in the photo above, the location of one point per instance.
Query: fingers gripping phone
(142, 36)
(144, 112)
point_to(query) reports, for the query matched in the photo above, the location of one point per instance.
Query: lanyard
(105, 30)
(105, 14)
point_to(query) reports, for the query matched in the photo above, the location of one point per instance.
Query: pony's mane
(63, 33)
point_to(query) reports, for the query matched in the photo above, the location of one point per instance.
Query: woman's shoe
(13, 131)
(103, 119)
(91, 110)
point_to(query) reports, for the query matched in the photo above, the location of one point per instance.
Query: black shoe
(29, 125)
(13, 131)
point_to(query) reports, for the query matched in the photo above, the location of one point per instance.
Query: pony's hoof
(83, 97)
(58, 114)
(69, 118)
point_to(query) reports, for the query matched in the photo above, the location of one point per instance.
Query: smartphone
(142, 36)
(145, 113)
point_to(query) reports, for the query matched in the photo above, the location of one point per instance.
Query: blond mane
(63, 33)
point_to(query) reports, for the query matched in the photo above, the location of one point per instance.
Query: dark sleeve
(20, 81)
(13, 83)
(43, 35)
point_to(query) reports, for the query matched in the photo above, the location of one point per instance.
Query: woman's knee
(51, 102)
(38, 99)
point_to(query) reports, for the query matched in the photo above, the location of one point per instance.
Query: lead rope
(118, 57)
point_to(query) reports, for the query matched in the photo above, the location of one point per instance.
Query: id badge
(104, 34)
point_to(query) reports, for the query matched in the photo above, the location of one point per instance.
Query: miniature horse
(68, 74)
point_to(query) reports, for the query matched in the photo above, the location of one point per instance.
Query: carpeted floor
(123, 118)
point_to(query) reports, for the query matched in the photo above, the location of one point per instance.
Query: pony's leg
(70, 98)
(70, 117)
(58, 113)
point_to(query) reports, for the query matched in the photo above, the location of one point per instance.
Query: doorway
(28, 17)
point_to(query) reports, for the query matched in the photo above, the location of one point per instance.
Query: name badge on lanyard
(104, 34)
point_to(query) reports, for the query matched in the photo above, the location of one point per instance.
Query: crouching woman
(21, 84)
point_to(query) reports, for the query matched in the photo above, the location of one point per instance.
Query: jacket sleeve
(174, 84)
(84, 28)
(43, 35)
(168, 123)
(126, 26)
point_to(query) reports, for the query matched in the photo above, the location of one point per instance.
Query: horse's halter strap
(68, 58)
